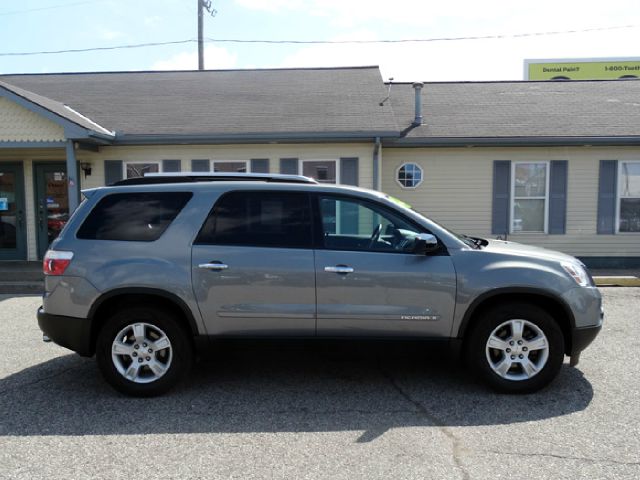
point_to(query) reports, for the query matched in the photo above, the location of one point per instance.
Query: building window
(227, 166)
(135, 170)
(409, 175)
(530, 188)
(629, 202)
(323, 171)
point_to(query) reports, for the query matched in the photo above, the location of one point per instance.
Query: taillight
(56, 262)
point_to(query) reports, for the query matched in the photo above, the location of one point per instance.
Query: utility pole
(200, 35)
(203, 5)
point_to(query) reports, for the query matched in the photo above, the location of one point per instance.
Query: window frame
(212, 165)
(128, 162)
(398, 173)
(512, 207)
(311, 211)
(302, 161)
(619, 197)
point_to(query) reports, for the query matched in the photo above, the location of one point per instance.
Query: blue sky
(77, 24)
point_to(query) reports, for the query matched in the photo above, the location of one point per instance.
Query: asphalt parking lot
(300, 411)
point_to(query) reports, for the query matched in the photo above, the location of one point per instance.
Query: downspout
(72, 177)
(377, 148)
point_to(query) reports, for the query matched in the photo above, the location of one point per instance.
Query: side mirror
(425, 244)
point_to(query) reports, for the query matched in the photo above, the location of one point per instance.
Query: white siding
(230, 152)
(183, 152)
(457, 191)
(17, 124)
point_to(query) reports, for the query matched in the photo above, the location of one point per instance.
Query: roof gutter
(301, 137)
(549, 141)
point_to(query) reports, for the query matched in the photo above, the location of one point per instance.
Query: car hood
(514, 248)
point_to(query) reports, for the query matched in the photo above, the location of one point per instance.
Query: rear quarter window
(135, 217)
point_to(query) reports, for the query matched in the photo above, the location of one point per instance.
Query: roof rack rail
(192, 177)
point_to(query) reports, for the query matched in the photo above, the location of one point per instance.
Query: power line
(319, 42)
(51, 7)
(420, 40)
(95, 49)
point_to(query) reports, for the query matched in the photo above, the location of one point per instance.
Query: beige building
(554, 164)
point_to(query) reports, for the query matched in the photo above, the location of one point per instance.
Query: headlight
(578, 273)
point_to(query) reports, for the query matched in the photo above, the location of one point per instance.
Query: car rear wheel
(516, 348)
(143, 351)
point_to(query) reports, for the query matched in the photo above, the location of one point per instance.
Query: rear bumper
(69, 332)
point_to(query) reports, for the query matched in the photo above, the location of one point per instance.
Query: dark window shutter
(112, 171)
(169, 166)
(289, 166)
(349, 171)
(501, 197)
(201, 165)
(558, 196)
(259, 165)
(607, 192)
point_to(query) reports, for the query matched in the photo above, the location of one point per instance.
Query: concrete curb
(617, 281)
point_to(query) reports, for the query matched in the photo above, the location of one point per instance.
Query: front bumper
(581, 338)
(69, 332)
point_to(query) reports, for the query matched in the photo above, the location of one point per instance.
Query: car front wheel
(516, 348)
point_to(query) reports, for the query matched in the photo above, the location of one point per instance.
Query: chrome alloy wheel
(141, 353)
(517, 350)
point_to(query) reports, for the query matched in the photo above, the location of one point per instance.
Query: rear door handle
(213, 266)
(339, 269)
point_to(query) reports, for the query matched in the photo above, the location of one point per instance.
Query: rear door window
(135, 217)
(259, 219)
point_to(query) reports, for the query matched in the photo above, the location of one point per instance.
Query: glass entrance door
(52, 202)
(13, 237)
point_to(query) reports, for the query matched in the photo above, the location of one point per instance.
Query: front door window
(57, 203)
(363, 226)
(52, 203)
(12, 227)
(8, 221)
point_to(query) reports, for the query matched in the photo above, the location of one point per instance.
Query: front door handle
(339, 269)
(213, 266)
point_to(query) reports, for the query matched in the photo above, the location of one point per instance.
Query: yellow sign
(587, 70)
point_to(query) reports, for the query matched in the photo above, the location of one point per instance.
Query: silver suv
(149, 270)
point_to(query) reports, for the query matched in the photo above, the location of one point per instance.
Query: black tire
(488, 321)
(181, 351)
